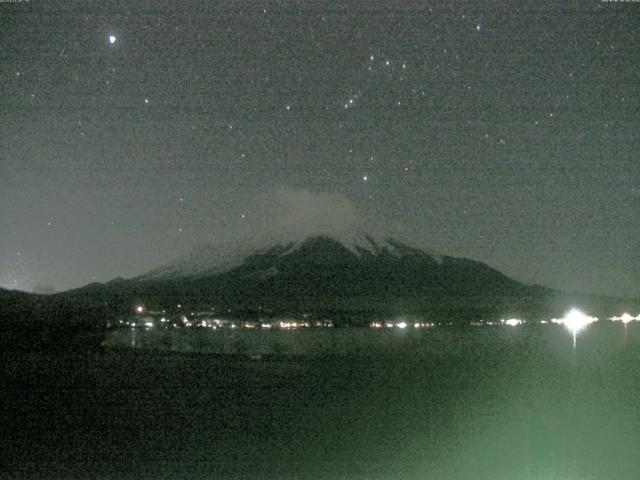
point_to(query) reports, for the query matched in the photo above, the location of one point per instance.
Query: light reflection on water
(453, 404)
(597, 339)
(503, 403)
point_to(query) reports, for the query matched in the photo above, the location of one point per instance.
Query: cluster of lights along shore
(574, 320)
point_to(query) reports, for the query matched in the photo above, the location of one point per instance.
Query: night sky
(507, 132)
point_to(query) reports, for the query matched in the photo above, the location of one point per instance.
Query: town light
(512, 322)
(626, 318)
(575, 320)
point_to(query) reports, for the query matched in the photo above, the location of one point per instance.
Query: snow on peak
(359, 243)
(218, 258)
(362, 243)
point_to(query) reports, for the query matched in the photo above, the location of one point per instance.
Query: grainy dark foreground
(518, 404)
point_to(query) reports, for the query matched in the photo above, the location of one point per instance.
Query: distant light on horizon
(575, 321)
(624, 318)
(512, 322)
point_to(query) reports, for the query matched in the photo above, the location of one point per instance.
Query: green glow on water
(506, 403)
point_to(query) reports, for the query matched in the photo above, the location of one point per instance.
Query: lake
(438, 403)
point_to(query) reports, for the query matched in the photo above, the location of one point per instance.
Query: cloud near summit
(288, 213)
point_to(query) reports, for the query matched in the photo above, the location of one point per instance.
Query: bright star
(112, 39)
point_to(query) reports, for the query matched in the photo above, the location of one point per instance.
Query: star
(365, 178)
(112, 39)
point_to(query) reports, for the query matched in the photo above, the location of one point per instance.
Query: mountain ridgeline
(351, 281)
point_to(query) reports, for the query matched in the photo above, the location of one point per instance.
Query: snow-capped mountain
(215, 259)
(361, 275)
(351, 278)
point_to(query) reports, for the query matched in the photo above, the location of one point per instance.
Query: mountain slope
(358, 276)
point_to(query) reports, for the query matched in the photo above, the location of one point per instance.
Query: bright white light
(512, 322)
(148, 324)
(402, 325)
(112, 39)
(624, 318)
(575, 320)
(139, 309)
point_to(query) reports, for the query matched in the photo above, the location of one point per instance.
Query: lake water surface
(482, 403)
